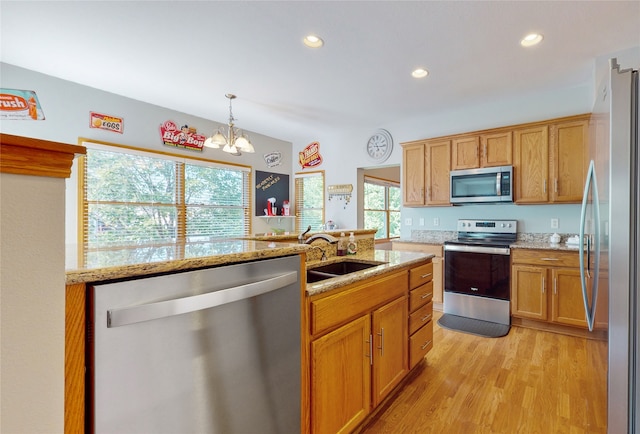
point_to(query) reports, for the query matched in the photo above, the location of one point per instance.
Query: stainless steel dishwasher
(209, 351)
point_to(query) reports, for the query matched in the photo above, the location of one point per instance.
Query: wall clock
(379, 146)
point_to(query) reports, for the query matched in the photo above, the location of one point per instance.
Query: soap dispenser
(352, 247)
(342, 245)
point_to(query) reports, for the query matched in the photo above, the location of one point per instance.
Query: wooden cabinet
(437, 261)
(425, 173)
(531, 164)
(546, 286)
(569, 160)
(438, 165)
(359, 350)
(341, 378)
(420, 313)
(390, 355)
(413, 175)
(484, 150)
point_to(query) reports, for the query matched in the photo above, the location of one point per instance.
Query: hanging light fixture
(235, 142)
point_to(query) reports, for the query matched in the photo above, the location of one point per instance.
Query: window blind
(136, 198)
(309, 200)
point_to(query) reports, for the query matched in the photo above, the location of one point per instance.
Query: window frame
(299, 210)
(386, 183)
(179, 203)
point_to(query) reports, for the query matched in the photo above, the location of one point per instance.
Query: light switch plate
(421, 221)
(408, 221)
(554, 223)
(436, 221)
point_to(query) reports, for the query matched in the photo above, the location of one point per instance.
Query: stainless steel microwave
(486, 185)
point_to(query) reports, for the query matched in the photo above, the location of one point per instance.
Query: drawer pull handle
(427, 295)
(426, 318)
(550, 259)
(424, 276)
(425, 345)
(370, 355)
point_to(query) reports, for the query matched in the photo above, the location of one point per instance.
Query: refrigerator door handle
(591, 184)
(162, 309)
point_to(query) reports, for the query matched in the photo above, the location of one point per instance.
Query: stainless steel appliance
(478, 270)
(610, 226)
(486, 185)
(209, 351)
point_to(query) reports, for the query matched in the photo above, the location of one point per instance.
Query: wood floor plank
(529, 381)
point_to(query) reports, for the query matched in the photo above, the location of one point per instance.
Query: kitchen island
(142, 262)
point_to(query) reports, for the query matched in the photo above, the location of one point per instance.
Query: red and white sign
(106, 122)
(183, 137)
(310, 156)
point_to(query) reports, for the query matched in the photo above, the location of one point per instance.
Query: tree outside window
(309, 200)
(382, 201)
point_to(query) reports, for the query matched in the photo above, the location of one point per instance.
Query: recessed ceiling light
(420, 73)
(531, 39)
(313, 41)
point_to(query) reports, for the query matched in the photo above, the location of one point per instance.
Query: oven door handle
(477, 249)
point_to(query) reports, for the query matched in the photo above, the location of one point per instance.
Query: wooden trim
(29, 156)
(505, 128)
(599, 334)
(74, 359)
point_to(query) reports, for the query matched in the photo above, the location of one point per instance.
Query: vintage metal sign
(184, 137)
(17, 104)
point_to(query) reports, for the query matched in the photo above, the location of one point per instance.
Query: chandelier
(235, 142)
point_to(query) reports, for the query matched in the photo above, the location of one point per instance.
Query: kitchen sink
(336, 269)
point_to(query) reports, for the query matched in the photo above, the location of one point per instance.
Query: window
(138, 198)
(309, 200)
(382, 207)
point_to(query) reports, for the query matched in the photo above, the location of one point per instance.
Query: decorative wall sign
(183, 137)
(17, 104)
(106, 122)
(340, 191)
(272, 194)
(310, 156)
(273, 159)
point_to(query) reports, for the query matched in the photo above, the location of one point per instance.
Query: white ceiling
(186, 55)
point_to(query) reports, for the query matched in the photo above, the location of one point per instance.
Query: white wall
(67, 106)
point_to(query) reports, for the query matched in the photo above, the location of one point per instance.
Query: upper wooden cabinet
(531, 164)
(485, 150)
(425, 173)
(438, 166)
(550, 160)
(413, 176)
(569, 160)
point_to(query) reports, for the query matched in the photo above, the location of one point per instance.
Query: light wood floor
(526, 382)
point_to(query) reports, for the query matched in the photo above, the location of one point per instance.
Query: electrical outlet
(554, 223)
(408, 221)
(436, 221)
(421, 221)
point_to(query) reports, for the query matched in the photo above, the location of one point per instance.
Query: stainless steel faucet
(328, 238)
(301, 236)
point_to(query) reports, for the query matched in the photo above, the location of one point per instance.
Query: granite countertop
(135, 262)
(524, 241)
(389, 260)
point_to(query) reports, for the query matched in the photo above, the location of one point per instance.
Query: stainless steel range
(477, 270)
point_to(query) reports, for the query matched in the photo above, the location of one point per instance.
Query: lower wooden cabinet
(546, 286)
(341, 378)
(438, 265)
(360, 345)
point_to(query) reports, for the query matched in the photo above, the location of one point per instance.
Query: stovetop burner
(486, 232)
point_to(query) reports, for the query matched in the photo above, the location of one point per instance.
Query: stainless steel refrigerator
(610, 229)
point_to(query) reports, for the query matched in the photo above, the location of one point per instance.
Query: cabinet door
(341, 378)
(529, 292)
(390, 352)
(569, 160)
(438, 165)
(567, 306)
(413, 175)
(531, 164)
(496, 149)
(465, 153)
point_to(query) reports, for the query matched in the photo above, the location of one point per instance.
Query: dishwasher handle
(178, 306)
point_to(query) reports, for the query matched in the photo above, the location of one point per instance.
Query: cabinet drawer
(420, 275)
(420, 343)
(420, 296)
(548, 258)
(420, 317)
(338, 308)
